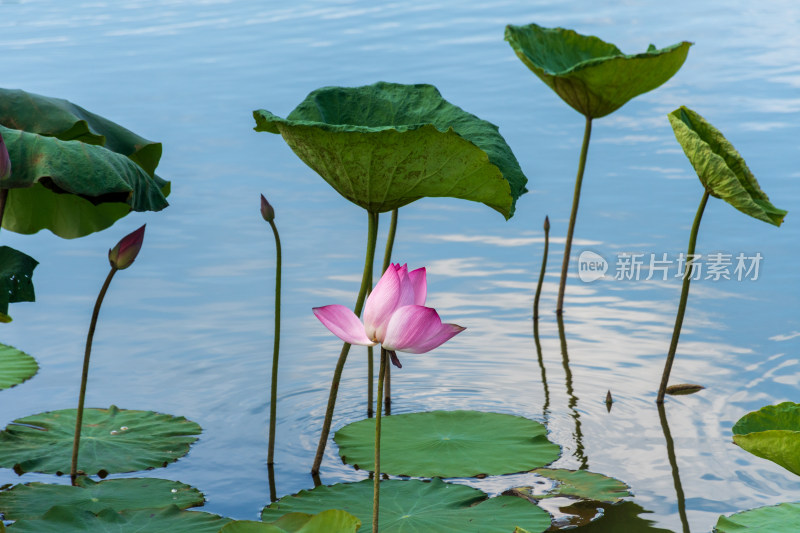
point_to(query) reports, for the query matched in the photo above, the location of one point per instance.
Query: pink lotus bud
(5, 161)
(266, 210)
(126, 250)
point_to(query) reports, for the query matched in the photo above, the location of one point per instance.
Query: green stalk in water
(268, 213)
(120, 257)
(541, 272)
(377, 477)
(372, 236)
(387, 260)
(576, 197)
(687, 278)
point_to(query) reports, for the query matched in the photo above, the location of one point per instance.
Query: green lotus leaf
(386, 145)
(579, 484)
(773, 433)
(55, 117)
(448, 444)
(16, 271)
(592, 76)
(33, 500)
(65, 519)
(416, 506)
(112, 441)
(72, 188)
(722, 171)
(783, 518)
(330, 521)
(15, 366)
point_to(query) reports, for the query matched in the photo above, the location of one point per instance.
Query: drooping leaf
(15, 366)
(65, 519)
(330, 521)
(112, 441)
(55, 117)
(16, 285)
(783, 518)
(722, 171)
(71, 188)
(416, 506)
(772, 432)
(579, 484)
(33, 500)
(448, 444)
(589, 74)
(386, 145)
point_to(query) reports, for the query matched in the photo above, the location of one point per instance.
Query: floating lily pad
(722, 171)
(112, 441)
(386, 145)
(579, 484)
(330, 521)
(783, 518)
(16, 271)
(33, 500)
(15, 366)
(416, 506)
(65, 519)
(772, 432)
(589, 74)
(448, 444)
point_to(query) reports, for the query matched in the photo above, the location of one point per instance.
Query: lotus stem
(387, 259)
(541, 272)
(372, 237)
(3, 200)
(587, 132)
(370, 366)
(687, 278)
(376, 493)
(273, 402)
(73, 471)
(673, 463)
(273, 491)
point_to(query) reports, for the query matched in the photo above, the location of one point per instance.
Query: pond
(188, 330)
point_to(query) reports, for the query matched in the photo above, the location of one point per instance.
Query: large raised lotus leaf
(579, 484)
(783, 518)
(112, 441)
(16, 285)
(386, 145)
(722, 171)
(448, 444)
(772, 432)
(65, 519)
(70, 187)
(330, 521)
(33, 500)
(55, 117)
(15, 366)
(416, 506)
(589, 74)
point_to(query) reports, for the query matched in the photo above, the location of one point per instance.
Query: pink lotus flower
(122, 255)
(394, 316)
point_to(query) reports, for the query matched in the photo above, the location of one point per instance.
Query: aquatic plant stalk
(687, 278)
(573, 400)
(269, 216)
(587, 132)
(73, 471)
(372, 236)
(387, 260)
(370, 367)
(377, 477)
(542, 271)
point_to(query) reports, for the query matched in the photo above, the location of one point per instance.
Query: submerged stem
(73, 471)
(576, 197)
(273, 402)
(372, 236)
(376, 484)
(687, 278)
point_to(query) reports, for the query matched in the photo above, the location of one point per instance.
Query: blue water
(187, 330)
